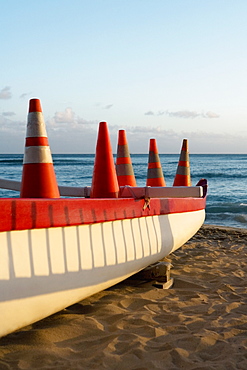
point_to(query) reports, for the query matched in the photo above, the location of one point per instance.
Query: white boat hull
(45, 270)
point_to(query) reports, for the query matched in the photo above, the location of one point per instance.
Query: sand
(200, 323)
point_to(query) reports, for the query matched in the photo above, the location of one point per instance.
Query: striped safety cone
(38, 175)
(104, 181)
(124, 169)
(155, 175)
(182, 177)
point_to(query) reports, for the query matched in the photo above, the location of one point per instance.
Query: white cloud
(211, 115)
(68, 116)
(108, 106)
(100, 105)
(11, 126)
(183, 114)
(69, 133)
(8, 114)
(187, 114)
(67, 119)
(5, 93)
(82, 121)
(149, 113)
(169, 141)
(78, 135)
(24, 95)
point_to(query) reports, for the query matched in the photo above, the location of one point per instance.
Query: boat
(60, 245)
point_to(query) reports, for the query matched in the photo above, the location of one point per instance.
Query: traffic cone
(38, 175)
(155, 175)
(182, 177)
(104, 182)
(124, 169)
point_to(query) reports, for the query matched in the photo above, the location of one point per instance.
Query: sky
(164, 69)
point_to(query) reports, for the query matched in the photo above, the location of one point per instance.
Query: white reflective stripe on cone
(37, 154)
(36, 125)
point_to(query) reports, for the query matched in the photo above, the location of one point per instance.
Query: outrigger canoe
(56, 251)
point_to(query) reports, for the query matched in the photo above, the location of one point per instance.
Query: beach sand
(200, 323)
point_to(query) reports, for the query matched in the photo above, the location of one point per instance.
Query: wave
(227, 208)
(11, 162)
(221, 175)
(226, 219)
(63, 163)
(227, 214)
(241, 219)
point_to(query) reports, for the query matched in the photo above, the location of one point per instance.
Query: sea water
(226, 175)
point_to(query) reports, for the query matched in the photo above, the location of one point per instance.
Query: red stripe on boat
(21, 214)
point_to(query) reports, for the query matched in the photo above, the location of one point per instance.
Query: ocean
(226, 175)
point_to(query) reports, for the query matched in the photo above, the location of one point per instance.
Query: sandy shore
(201, 323)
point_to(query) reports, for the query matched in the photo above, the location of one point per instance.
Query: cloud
(183, 114)
(108, 106)
(100, 105)
(8, 114)
(82, 121)
(211, 115)
(69, 133)
(140, 132)
(5, 93)
(147, 129)
(187, 114)
(11, 126)
(169, 141)
(24, 95)
(12, 135)
(68, 116)
(67, 119)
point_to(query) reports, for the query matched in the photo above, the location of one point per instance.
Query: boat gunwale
(33, 213)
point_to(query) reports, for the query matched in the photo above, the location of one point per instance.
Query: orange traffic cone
(125, 172)
(38, 175)
(104, 182)
(182, 177)
(155, 175)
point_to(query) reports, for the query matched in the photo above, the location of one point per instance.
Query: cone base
(156, 182)
(126, 180)
(182, 180)
(104, 195)
(39, 181)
